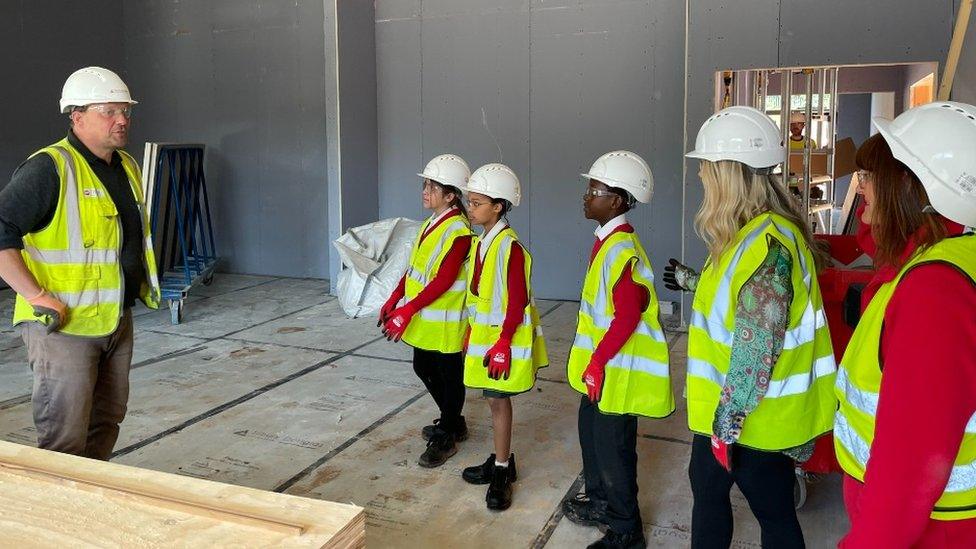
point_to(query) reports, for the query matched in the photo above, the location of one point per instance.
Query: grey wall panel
(840, 32)
(729, 35)
(560, 83)
(399, 116)
(246, 79)
(42, 46)
(604, 77)
(854, 121)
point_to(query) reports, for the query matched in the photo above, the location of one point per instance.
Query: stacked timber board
(56, 500)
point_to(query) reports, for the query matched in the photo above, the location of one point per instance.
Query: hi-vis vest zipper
(76, 257)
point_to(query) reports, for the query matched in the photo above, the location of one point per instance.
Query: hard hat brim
(758, 160)
(67, 104)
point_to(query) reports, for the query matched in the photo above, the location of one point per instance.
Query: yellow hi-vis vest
(859, 384)
(799, 402)
(637, 379)
(439, 326)
(486, 313)
(76, 257)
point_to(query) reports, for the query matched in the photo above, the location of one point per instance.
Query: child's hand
(498, 360)
(593, 378)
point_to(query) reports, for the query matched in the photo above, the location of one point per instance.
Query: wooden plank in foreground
(52, 499)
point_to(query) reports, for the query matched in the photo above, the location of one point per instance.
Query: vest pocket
(78, 287)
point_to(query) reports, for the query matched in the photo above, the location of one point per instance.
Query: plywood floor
(267, 384)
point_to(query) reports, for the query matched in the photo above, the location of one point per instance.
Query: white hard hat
(624, 170)
(937, 141)
(447, 169)
(797, 116)
(93, 85)
(742, 134)
(496, 181)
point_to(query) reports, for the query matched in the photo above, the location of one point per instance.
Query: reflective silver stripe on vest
(441, 315)
(496, 315)
(961, 479)
(64, 257)
(600, 303)
(72, 210)
(793, 385)
(626, 361)
(518, 353)
(603, 323)
(89, 297)
(867, 401)
(850, 440)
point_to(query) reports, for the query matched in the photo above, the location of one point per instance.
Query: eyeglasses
(111, 112)
(429, 187)
(863, 176)
(472, 204)
(593, 193)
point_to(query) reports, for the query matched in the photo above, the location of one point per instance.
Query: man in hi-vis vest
(75, 246)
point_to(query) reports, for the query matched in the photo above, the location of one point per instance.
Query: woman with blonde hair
(760, 362)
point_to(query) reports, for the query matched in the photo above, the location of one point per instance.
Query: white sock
(501, 463)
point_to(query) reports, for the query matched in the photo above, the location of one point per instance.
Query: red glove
(397, 323)
(721, 452)
(498, 360)
(385, 312)
(593, 378)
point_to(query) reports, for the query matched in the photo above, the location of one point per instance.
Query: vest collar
(489, 237)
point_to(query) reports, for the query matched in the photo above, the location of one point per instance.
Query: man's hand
(50, 310)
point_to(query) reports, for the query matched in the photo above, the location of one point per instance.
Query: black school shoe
(614, 540)
(481, 474)
(584, 511)
(460, 434)
(499, 496)
(440, 447)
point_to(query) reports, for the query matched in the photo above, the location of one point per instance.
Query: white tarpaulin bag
(374, 258)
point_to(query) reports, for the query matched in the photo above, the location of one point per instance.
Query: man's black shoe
(440, 447)
(499, 496)
(584, 511)
(613, 540)
(460, 434)
(481, 474)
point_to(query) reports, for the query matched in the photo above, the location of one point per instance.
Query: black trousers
(609, 444)
(443, 375)
(766, 480)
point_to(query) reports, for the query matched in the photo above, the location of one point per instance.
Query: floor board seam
(352, 440)
(667, 439)
(232, 403)
(550, 526)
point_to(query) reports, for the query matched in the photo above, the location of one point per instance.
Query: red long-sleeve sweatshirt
(629, 301)
(928, 394)
(446, 274)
